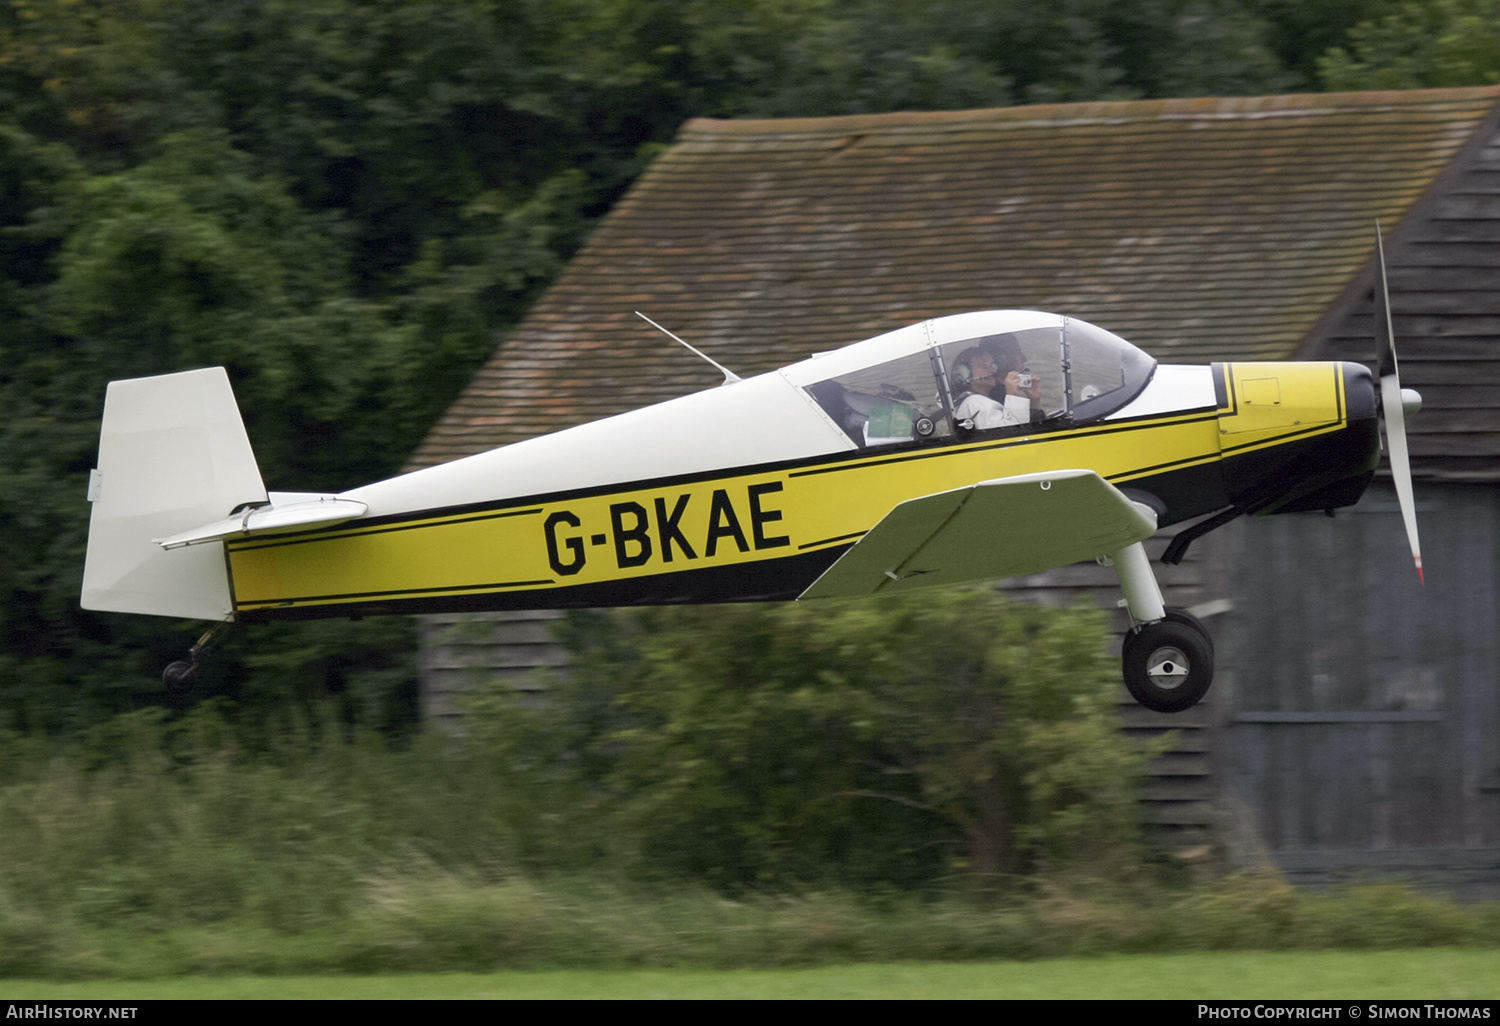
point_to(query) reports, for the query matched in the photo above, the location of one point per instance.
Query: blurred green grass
(444, 924)
(1429, 973)
(146, 860)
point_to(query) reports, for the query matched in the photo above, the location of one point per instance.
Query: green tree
(1299, 32)
(1413, 44)
(350, 202)
(150, 223)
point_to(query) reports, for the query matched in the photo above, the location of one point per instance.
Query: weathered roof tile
(1199, 229)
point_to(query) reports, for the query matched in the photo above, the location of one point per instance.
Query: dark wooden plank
(1456, 427)
(1474, 203)
(1482, 859)
(1186, 752)
(1443, 252)
(518, 615)
(1471, 469)
(497, 657)
(1458, 329)
(1438, 396)
(1455, 231)
(1177, 789)
(1191, 813)
(1476, 301)
(1412, 277)
(1483, 375)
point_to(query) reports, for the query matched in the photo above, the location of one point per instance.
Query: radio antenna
(730, 377)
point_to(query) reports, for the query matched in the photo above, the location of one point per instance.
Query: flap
(270, 518)
(990, 530)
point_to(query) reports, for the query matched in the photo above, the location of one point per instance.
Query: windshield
(1062, 373)
(1104, 371)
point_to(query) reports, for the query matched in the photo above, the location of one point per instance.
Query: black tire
(1182, 616)
(178, 676)
(1168, 665)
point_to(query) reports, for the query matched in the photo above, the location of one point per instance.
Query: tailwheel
(1169, 664)
(178, 676)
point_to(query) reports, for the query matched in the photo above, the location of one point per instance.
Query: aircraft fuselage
(1263, 438)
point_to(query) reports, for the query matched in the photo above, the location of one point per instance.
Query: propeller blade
(1392, 407)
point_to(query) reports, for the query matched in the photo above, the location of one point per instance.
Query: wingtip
(1420, 578)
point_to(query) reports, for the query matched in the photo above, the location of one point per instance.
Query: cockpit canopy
(1001, 371)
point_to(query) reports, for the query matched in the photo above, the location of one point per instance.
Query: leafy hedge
(891, 743)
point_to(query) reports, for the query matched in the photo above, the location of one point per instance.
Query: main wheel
(1168, 665)
(1182, 616)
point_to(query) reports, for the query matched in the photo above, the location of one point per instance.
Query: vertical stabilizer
(173, 454)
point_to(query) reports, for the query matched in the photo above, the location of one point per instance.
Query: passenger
(1006, 349)
(975, 376)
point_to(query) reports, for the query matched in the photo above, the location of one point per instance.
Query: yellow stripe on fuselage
(738, 518)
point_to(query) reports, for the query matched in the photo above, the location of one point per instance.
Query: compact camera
(1026, 379)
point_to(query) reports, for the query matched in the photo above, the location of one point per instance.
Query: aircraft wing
(986, 531)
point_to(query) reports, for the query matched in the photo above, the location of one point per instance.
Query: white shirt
(987, 413)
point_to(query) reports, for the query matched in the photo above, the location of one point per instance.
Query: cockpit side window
(886, 404)
(1011, 379)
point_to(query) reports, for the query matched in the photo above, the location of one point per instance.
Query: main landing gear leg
(1168, 659)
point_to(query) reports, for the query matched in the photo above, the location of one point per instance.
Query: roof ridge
(1291, 104)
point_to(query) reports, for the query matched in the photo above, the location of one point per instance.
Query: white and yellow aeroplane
(966, 448)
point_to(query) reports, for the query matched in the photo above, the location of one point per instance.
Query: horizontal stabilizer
(986, 531)
(275, 517)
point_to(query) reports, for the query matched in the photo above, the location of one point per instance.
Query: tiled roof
(1198, 229)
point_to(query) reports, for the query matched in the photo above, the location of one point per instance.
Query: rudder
(173, 454)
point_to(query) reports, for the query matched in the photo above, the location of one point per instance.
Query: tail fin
(173, 454)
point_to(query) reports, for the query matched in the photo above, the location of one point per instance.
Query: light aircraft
(964, 448)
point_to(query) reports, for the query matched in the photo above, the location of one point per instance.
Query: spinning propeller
(1395, 403)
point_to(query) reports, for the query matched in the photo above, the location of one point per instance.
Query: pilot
(975, 377)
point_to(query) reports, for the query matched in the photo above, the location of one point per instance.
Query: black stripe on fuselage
(853, 535)
(762, 581)
(823, 464)
(366, 596)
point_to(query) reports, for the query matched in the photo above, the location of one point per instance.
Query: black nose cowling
(1323, 471)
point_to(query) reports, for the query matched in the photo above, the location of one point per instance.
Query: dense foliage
(646, 819)
(349, 202)
(900, 743)
(1416, 43)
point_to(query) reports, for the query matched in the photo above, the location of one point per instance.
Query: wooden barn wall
(1363, 710)
(1179, 791)
(1363, 734)
(1444, 272)
(463, 651)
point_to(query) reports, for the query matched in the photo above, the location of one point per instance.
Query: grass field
(1428, 973)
